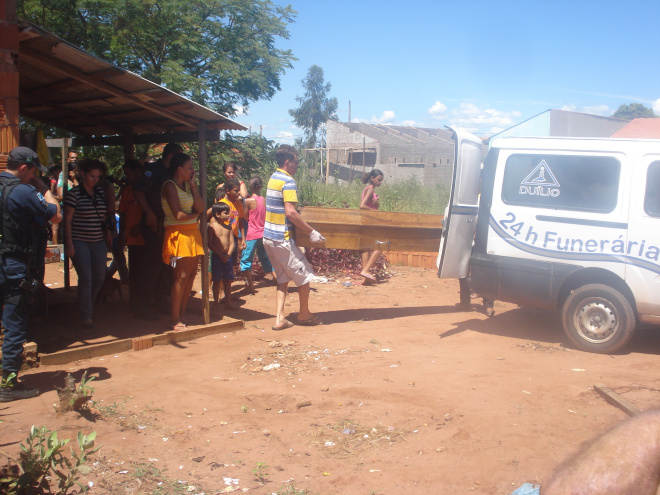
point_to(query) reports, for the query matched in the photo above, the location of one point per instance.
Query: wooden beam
(9, 112)
(72, 71)
(166, 137)
(615, 399)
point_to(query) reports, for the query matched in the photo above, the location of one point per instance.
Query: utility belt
(31, 289)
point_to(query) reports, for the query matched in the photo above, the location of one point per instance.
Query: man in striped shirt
(288, 261)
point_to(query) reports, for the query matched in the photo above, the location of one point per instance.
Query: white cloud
(241, 110)
(656, 106)
(602, 110)
(412, 123)
(283, 137)
(485, 120)
(387, 118)
(438, 111)
(598, 110)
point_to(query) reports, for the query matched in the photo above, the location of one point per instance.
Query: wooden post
(9, 134)
(350, 174)
(202, 223)
(327, 167)
(65, 191)
(129, 147)
(364, 144)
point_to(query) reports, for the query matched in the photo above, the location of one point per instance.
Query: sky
(479, 65)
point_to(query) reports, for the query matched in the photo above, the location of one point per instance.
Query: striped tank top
(185, 200)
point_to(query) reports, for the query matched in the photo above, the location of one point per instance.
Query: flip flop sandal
(369, 277)
(283, 326)
(179, 327)
(310, 322)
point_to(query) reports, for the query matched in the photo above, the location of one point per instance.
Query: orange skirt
(182, 241)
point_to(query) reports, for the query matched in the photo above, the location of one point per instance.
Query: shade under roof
(64, 86)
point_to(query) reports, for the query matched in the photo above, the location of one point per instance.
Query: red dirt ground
(396, 393)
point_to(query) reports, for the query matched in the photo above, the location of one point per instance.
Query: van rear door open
(461, 212)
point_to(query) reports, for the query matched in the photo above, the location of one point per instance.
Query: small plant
(42, 463)
(7, 381)
(110, 410)
(245, 409)
(143, 470)
(74, 398)
(260, 472)
(292, 490)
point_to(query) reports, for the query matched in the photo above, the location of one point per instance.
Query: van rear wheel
(598, 318)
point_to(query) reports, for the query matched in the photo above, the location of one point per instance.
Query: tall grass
(407, 196)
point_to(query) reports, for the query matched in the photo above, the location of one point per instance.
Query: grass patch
(408, 196)
(347, 438)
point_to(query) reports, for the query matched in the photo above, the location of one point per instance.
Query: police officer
(23, 198)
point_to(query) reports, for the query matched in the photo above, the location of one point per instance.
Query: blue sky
(480, 65)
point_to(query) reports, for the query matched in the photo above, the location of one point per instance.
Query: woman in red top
(370, 202)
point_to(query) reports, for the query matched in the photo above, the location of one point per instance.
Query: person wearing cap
(23, 199)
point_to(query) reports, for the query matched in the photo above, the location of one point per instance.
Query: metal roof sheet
(69, 88)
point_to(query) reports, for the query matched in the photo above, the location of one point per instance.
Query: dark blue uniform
(24, 204)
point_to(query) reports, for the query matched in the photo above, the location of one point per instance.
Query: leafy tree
(253, 154)
(220, 53)
(633, 111)
(316, 107)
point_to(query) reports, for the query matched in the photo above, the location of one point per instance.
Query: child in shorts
(222, 246)
(255, 216)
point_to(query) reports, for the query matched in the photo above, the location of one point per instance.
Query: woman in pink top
(370, 202)
(255, 216)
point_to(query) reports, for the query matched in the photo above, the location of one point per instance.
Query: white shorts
(288, 262)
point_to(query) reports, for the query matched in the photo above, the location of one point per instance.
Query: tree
(316, 107)
(633, 111)
(220, 53)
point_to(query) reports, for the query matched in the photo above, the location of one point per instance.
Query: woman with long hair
(370, 202)
(182, 247)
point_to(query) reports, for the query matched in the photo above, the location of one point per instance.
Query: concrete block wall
(400, 152)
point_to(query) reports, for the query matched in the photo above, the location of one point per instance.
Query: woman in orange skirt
(182, 204)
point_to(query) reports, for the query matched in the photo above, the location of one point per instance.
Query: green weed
(43, 468)
(292, 490)
(261, 472)
(111, 410)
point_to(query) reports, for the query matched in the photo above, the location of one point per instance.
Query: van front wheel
(597, 318)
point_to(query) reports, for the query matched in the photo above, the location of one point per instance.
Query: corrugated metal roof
(643, 128)
(66, 87)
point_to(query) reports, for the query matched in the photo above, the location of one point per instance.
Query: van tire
(598, 318)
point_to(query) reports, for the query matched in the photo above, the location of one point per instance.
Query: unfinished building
(353, 149)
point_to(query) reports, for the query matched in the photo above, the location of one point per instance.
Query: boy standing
(233, 191)
(222, 246)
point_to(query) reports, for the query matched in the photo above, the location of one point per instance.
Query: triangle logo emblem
(541, 176)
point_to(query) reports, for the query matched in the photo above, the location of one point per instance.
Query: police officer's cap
(22, 155)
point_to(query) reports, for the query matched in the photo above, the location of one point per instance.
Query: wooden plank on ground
(616, 400)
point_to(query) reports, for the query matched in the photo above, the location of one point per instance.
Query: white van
(561, 223)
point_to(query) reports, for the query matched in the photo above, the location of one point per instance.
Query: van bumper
(531, 283)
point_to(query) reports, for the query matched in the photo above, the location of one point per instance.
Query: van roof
(572, 143)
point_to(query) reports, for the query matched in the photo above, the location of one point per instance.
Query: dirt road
(396, 393)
